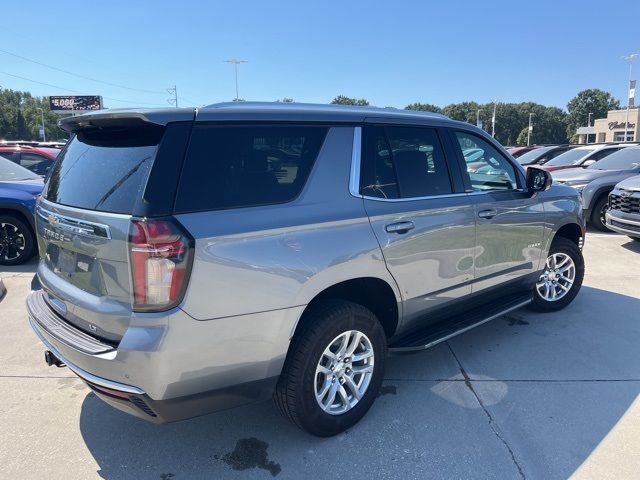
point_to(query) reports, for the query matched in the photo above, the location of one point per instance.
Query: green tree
(21, 117)
(522, 136)
(464, 111)
(593, 100)
(343, 100)
(424, 107)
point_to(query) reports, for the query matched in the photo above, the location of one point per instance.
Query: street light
(493, 119)
(586, 137)
(530, 129)
(630, 58)
(44, 133)
(235, 63)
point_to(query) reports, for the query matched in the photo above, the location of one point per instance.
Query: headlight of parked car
(579, 187)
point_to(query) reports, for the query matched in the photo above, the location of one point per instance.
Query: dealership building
(612, 128)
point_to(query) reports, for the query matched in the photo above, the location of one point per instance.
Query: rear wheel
(598, 219)
(17, 242)
(334, 369)
(562, 277)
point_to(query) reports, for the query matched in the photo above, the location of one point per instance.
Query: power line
(79, 75)
(76, 91)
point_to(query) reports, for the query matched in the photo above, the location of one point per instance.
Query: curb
(3, 290)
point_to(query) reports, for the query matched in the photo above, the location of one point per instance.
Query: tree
(21, 117)
(464, 111)
(522, 136)
(343, 100)
(597, 102)
(424, 107)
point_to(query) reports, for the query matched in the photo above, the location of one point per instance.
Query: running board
(444, 330)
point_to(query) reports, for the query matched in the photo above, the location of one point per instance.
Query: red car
(517, 151)
(36, 159)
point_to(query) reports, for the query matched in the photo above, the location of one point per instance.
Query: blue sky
(392, 53)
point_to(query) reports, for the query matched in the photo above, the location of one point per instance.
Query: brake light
(161, 255)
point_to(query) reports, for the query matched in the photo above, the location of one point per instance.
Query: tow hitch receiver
(50, 359)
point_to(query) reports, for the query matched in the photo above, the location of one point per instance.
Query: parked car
(623, 215)
(596, 182)
(180, 275)
(37, 159)
(582, 156)
(19, 188)
(518, 151)
(542, 155)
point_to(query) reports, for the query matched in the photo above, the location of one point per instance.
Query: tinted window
(490, 169)
(104, 169)
(570, 157)
(10, 171)
(624, 159)
(533, 155)
(603, 153)
(403, 162)
(240, 166)
(36, 163)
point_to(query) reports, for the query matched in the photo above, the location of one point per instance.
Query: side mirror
(588, 162)
(538, 180)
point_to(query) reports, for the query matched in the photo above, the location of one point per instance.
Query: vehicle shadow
(632, 245)
(532, 384)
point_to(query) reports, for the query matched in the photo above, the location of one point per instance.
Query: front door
(426, 229)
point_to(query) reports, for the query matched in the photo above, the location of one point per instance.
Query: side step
(446, 329)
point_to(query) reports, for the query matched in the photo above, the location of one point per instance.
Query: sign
(632, 92)
(75, 103)
(617, 125)
(41, 132)
(479, 124)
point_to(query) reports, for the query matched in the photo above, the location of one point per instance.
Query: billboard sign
(75, 103)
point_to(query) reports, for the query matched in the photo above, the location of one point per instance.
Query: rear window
(104, 169)
(241, 166)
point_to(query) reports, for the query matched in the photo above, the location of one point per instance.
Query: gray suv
(194, 260)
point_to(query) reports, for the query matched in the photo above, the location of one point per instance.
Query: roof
(46, 151)
(251, 111)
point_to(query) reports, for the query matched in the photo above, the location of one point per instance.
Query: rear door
(83, 222)
(421, 218)
(509, 220)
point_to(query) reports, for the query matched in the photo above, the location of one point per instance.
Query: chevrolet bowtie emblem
(52, 219)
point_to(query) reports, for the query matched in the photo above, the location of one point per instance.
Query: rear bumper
(171, 367)
(627, 224)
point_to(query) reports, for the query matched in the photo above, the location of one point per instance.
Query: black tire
(562, 245)
(597, 214)
(295, 395)
(17, 241)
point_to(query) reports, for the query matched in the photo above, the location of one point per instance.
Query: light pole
(630, 58)
(586, 138)
(235, 63)
(493, 119)
(529, 130)
(44, 133)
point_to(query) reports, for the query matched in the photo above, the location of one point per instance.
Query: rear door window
(231, 166)
(36, 163)
(403, 162)
(104, 169)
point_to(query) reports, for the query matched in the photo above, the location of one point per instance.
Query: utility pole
(174, 100)
(493, 119)
(529, 130)
(44, 133)
(235, 62)
(630, 58)
(586, 140)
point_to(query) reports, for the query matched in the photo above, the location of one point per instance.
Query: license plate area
(77, 268)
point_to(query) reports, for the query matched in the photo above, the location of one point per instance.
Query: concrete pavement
(524, 396)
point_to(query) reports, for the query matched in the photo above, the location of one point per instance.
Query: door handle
(400, 227)
(487, 213)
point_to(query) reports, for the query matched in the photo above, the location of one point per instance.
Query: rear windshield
(104, 169)
(570, 157)
(241, 166)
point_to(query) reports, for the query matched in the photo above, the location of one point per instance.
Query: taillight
(161, 255)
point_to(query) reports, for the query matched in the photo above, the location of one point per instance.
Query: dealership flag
(632, 92)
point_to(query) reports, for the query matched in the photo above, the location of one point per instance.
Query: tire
(295, 393)
(17, 241)
(597, 215)
(561, 248)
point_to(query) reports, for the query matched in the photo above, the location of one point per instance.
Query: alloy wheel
(557, 278)
(12, 242)
(344, 372)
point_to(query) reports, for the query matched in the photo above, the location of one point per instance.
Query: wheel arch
(19, 211)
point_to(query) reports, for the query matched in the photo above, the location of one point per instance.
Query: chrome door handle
(487, 213)
(400, 227)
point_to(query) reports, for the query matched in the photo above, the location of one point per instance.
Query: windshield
(570, 157)
(10, 172)
(624, 159)
(533, 155)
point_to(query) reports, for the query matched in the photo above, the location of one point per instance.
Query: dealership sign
(75, 103)
(620, 125)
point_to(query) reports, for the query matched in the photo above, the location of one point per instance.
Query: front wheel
(334, 369)
(562, 277)
(598, 216)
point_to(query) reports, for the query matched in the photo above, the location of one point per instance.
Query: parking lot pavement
(524, 396)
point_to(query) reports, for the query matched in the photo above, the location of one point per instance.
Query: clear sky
(390, 52)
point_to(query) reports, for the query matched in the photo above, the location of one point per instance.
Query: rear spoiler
(123, 117)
